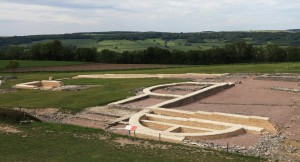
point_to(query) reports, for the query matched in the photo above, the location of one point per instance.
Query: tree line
(237, 52)
(288, 38)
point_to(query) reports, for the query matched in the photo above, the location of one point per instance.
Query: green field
(179, 44)
(128, 45)
(52, 142)
(29, 63)
(289, 67)
(232, 68)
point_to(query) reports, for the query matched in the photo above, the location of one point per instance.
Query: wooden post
(227, 147)
(134, 136)
(159, 137)
(60, 124)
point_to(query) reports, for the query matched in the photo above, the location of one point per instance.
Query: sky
(31, 17)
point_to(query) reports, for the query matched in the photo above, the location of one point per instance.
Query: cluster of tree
(16, 40)
(53, 50)
(238, 52)
(290, 38)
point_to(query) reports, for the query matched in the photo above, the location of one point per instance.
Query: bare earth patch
(145, 102)
(126, 141)
(9, 129)
(244, 140)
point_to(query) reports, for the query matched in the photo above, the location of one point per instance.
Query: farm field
(179, 44)
(128, 45)
(132, 45)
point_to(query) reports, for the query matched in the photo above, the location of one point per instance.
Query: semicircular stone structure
(176, 125)
(159, 122)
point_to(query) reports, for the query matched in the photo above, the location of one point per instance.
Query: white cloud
(62, 16)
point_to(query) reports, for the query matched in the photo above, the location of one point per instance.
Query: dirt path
(91, 67)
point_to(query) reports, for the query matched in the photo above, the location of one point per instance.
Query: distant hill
(294, 30)
(282, 38)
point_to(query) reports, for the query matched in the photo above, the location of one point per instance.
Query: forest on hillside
(282, 38)
(236, 52)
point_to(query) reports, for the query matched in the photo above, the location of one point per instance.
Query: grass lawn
(108, 90)
(233, 68)
(29, 63)
(288, 67)
(52, 142)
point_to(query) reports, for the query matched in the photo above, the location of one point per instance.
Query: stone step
(200, 123)
(175, 125)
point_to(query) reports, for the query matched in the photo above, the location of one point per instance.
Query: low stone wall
(176, 100)
(192, 97)
(29, 85)
(51, 83)
(45, 84)
(128, 100)
(254, 121)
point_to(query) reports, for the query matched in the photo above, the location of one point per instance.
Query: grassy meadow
(54, 142)
(106, 91)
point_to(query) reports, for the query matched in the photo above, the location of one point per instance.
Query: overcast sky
(27, 17)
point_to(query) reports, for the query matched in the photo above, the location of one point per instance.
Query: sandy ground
(179, 76)
(146, 102)
(254, 97)
(178, 90)
(244, 140)
(87, 121)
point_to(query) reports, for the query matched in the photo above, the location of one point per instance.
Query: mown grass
(287, 67)
(107, 90)
(29, 63)
(232, 68)
(54, 142)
